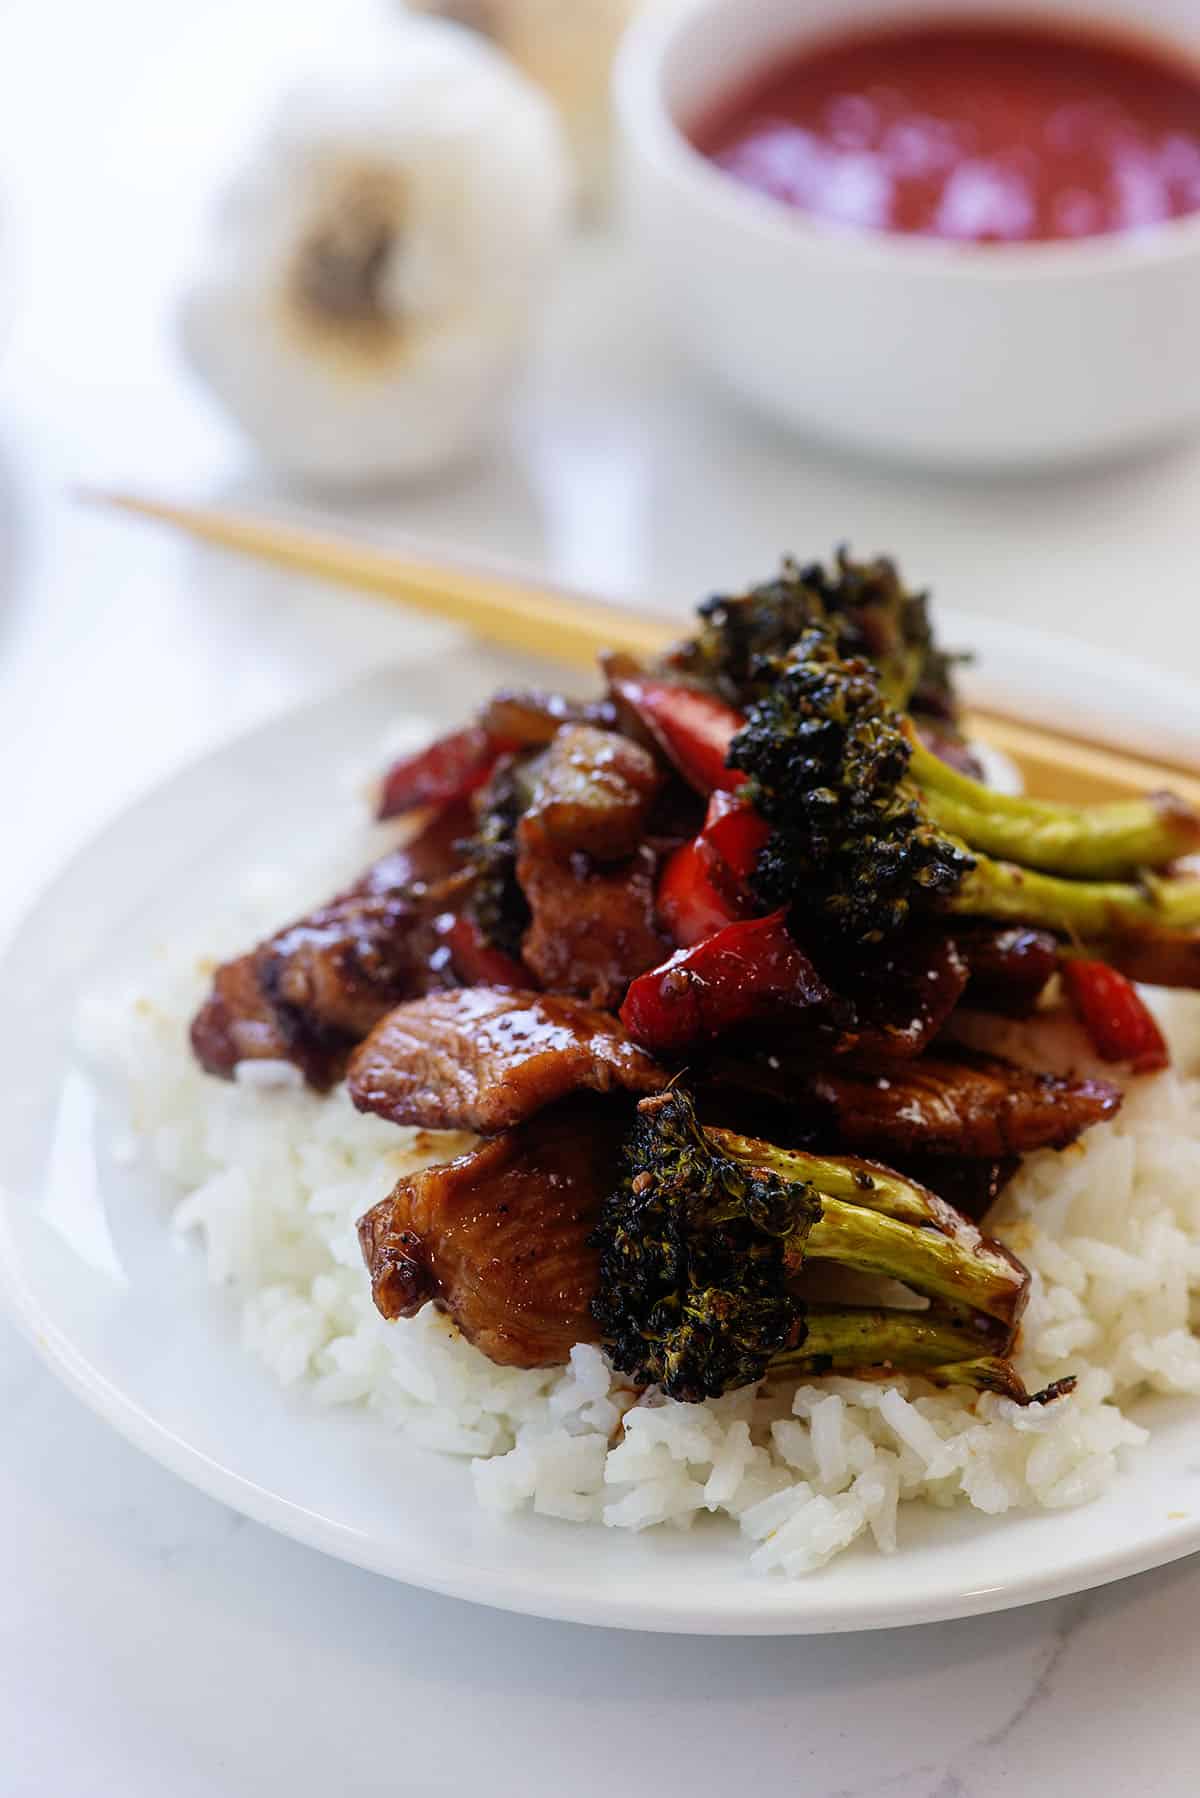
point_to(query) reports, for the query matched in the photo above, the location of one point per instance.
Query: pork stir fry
(686, 953)
(485, 1058)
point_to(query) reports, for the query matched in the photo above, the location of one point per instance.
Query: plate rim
(570, 1599)
(571, 1603)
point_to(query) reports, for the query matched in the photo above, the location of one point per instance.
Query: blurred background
(146, 174)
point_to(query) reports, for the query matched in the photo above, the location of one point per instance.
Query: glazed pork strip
(499, 1239)
(530, 719)
(593, 928)
(586, 873)
(486, 1058)
(593, 794)
(333, 975)
(315, 988)
(953, 1103)
(237, 1022)
(960, 1104)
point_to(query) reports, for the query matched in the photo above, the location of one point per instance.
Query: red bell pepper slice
(474, 959)
(705, 885)
(1114, 1014)
(749, 970)
(452, 768)
(693, 729)
(692, 903)
(735, 833)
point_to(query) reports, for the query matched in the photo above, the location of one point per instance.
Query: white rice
(274, 1179)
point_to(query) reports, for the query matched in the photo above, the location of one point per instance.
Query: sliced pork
(593, 928)
(955, 1104)
(315, 988)
(333, 975)
(485, 1058)
(499, 1239)
(237, 1021)
(593, 794)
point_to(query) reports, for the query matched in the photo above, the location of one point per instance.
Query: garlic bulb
(377, 266)
(567, 47)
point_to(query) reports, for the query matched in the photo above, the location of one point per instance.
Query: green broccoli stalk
(868, 827)
(703, 1242)
(1096, 842)
(939, 1346)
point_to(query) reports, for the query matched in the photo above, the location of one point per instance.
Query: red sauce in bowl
(990, 132)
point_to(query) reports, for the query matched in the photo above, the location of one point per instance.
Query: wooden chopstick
(573, 628)
(541, 621)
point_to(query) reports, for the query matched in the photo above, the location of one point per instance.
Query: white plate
(123, 1314)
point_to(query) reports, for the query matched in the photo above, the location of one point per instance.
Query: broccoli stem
(938, 1347)
(878, 1222)
(1090, 910)
(985, 1279)
(1086, 847)
(1163, 813)
(840, 1338)
(1098, 842)
(992, 1373)
(849, 1177)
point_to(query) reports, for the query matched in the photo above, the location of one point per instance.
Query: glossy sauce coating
(977, 133)
(485, 1058)
(501, 1238)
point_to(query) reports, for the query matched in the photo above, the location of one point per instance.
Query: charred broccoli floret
(702, 1244)
(870, 827)
(871, 611)
(827, 762)
(695, 1253)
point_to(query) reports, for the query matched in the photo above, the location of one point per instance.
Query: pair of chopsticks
(573, 628)
(541, 621)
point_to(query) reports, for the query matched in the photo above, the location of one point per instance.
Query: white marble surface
(151, 1642)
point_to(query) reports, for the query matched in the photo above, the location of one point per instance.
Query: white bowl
(952, 355)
